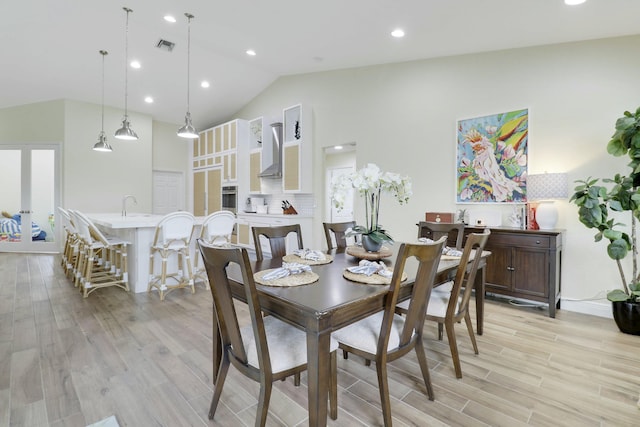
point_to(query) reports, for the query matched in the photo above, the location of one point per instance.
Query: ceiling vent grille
(165, 45)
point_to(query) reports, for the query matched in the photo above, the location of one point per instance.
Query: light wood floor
(69, 361)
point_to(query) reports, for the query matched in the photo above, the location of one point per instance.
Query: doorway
(31, 192)
(168, 192)
(339, 162)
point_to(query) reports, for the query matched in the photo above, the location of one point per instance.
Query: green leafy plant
(621, 193)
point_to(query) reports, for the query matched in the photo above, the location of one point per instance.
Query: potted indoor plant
(618, 194)
(371, 183)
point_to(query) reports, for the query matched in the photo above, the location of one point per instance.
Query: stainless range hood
(275, 170)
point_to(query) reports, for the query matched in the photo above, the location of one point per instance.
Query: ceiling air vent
(165, 45)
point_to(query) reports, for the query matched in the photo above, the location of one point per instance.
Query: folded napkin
(310, 254)
(445, 250)
(287, 269)
(368, 268)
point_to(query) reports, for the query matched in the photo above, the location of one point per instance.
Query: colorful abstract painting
(492, 158)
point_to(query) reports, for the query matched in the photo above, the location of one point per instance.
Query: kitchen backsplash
(303, 203)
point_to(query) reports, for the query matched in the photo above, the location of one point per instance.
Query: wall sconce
(543, 188)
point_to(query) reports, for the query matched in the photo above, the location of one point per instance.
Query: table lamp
(543, 188)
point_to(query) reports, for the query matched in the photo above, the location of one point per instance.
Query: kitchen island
(139, 230)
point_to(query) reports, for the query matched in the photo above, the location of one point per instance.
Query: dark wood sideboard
(523, 263)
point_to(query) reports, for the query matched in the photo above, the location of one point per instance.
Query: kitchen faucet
(124, 203)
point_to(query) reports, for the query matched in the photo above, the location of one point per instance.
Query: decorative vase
(370, 245)
(626, 314)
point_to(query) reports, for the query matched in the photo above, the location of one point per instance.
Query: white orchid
(371, 182)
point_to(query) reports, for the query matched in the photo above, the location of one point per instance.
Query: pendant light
(102, 144)
(125, 132)
(188, 131)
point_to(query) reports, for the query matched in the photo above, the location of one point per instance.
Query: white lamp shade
(547, 186)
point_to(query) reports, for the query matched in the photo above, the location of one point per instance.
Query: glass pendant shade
(102, 144)
(125, 132)
(188, 131)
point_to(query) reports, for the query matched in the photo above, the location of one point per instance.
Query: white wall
(403, 118)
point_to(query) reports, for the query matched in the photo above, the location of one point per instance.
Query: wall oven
(230, 198)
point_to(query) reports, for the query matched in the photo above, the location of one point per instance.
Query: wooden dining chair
(387, 335)
(449, 303)
(265, 351)
(435, 230)
(277, 237)
(338, 229)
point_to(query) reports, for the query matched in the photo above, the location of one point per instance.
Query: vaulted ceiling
(50, 48)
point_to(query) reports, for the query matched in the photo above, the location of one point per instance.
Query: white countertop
(268, 215)
(132, 220)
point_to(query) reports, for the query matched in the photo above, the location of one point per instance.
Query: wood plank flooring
(69, 361)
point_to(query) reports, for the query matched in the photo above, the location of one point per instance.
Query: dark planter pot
(370, 245)
(627, 316)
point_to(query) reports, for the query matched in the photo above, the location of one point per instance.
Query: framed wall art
(491, 160)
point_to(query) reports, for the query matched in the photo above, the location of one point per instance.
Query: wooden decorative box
(440, 216)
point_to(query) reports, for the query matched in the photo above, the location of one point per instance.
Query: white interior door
(30, 194)
(345, 214)
(168, 192)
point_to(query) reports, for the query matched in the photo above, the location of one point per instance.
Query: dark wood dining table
(330, 304)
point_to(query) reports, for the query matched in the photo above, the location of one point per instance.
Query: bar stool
(216, 230)
(102, 260)
(172, 238)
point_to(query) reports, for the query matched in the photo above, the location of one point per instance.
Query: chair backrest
(82, 225)
(435, 230)
(216, 260)
(68, 221)
(217, 227)
(277, 237)
(339, 230)
(174, 227)
(466, 273)
(89, 231)
(428, 257)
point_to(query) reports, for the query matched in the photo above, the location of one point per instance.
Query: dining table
(330, 303)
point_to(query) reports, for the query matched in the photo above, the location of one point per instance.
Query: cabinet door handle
(537, 242)
(511, 269)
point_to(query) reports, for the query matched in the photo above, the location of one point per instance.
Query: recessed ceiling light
(135, 64)
(205, 84)
(574, 2)
(397, 33)
(148, 99)
(169, 18)
(251, 52)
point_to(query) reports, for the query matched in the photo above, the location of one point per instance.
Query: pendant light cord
(103, 53)
(126, 60)
(189, 17)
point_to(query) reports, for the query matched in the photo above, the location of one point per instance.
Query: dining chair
(449, 303)
(265, 351)
(277, 237)
(387, 335)
(338, 229)
(216, 229)
(435, 230)
(172, 238)
(70, 248)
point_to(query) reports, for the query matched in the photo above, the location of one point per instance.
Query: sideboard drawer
(521, 240)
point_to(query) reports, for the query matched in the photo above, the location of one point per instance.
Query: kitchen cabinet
(247, 220)
(255, 165)
(297, 151)
(524, 264)
(207, 191)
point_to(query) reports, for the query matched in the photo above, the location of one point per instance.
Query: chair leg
(345, 354)
(296, 379)
(440, 325)
(424, 367)
(467, 320)
(333, 386)
(263, 403)
(217, 390)
(453, 345)
(383, 385)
